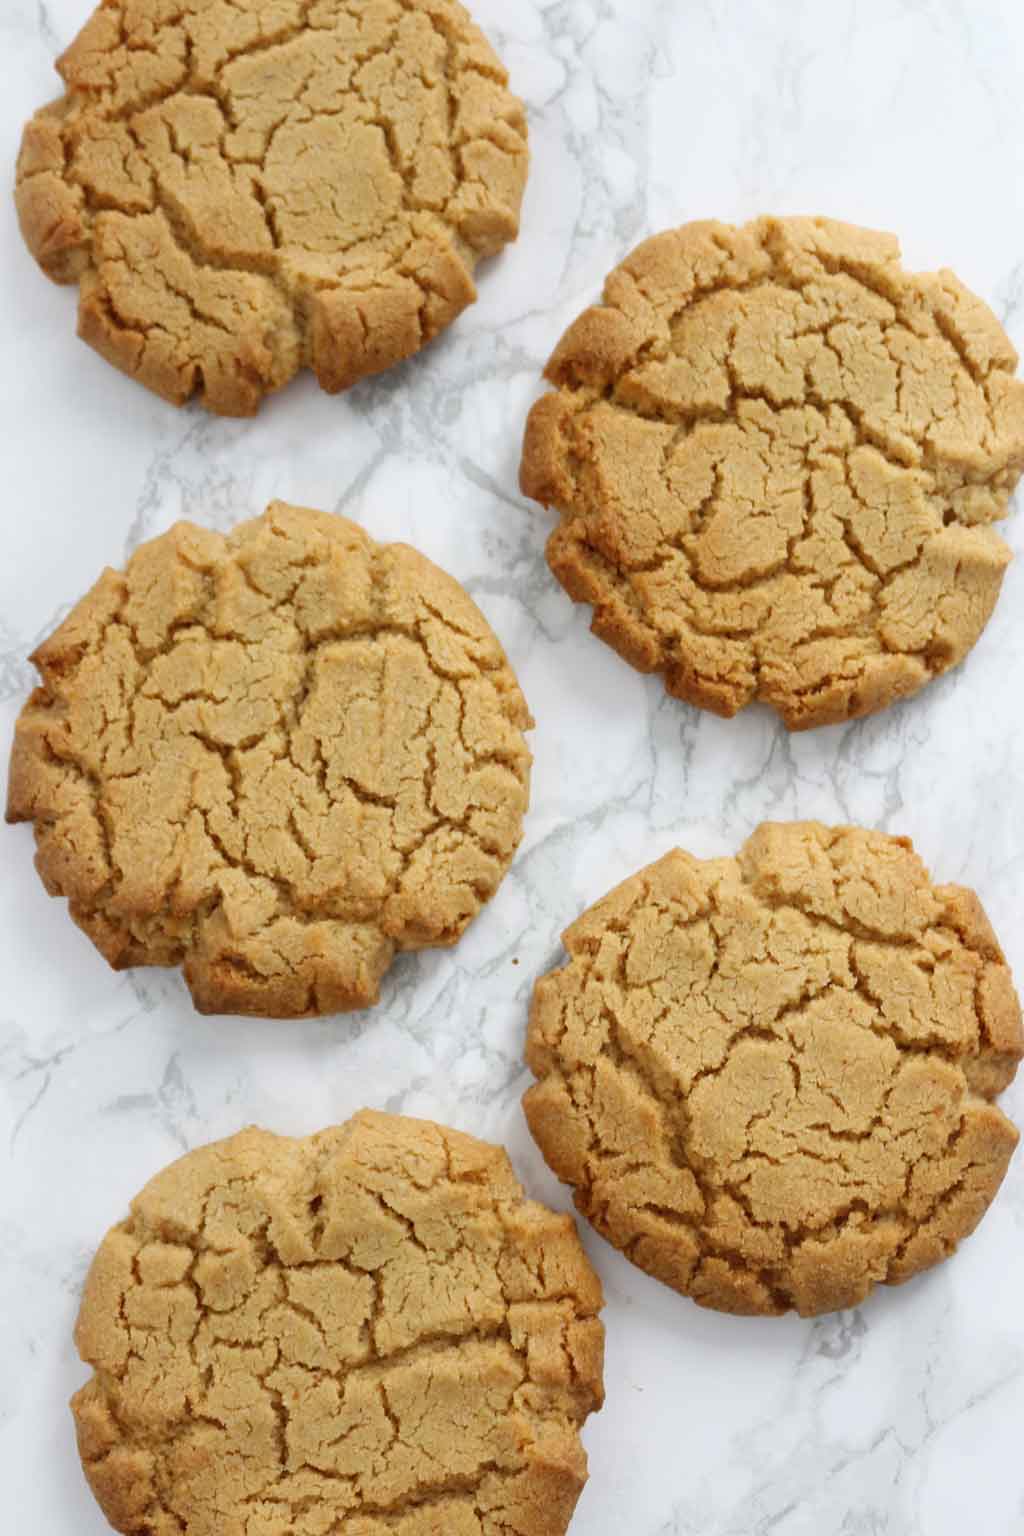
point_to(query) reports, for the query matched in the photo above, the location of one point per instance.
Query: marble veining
(900, 1419)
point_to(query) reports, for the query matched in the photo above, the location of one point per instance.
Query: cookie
(368, 1331)
(276, 758)
(244, 191)
(777, 458)
(769, 1079)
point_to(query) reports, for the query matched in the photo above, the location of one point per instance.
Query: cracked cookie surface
(777, 457)
(367, 1331)
(276, 757)
(244, 191)
(769, 1079)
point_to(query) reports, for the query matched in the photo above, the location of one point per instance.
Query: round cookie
(275, 757)
(244, 191)
(769, 1079)
(365, 1332)
(777, 456)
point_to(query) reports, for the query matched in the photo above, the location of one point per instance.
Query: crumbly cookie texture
(275, 757)
(769, 1079)
(244, 191)
(364, 1332)
(777, 456)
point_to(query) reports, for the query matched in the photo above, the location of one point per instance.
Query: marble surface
(900, 1418)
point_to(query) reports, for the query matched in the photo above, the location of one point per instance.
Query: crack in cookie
(769, 1079)
(277, 758)
(241, 193)
(370, 1330)
(777, 456)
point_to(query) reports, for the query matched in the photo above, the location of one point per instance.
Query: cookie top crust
(769, 1079)
(777, 456)
(367, 1331)
(275, 757)
(244, 191)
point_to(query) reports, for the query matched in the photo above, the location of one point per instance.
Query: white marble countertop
(900, 1418)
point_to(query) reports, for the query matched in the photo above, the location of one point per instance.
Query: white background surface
(901, 1418)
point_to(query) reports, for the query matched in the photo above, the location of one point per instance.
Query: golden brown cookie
(276, 758)
(364, 1332)
(769, 1079)
(241, 191)
(777, 456)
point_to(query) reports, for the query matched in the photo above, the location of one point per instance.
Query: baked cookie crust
(769, 1079)
(244, 191)
(275, 757)
(777, 457)
(368, 1331)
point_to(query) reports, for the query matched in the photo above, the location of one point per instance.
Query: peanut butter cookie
(275, 757)
(369, 1331)
(777, 457)
(244, 191)
(769, 1079)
